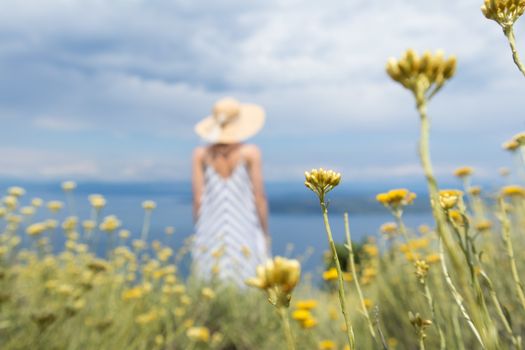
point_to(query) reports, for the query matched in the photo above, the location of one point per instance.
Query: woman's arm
(255, 167)
(197, 180)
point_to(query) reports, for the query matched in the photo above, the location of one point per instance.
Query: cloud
(148, 70)
(60, 124)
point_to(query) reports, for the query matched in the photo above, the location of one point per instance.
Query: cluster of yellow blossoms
(396, 198)
(504, 12)
(303, 315)
(448, 199)
(463, 171)
(278, 277)
(420, 74)
(321, 181)
(513, 191)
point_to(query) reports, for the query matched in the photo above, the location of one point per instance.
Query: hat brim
(249, 122)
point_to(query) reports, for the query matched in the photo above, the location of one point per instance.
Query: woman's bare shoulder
(199, 152)
(250, 151)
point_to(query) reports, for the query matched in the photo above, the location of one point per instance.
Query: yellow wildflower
(321, 181)
(433, 258)
(110, 223)
(411, 256)
(68, 186)
(423, 75)
(474, 190)
(88, 225)
(123, 234)
(369, 272)
(392, 343)
(51, 224)
(463, 171)
(370, 249)
(278, 277)
(11, 202)
(483, 225)
(97, 201)
(16, 191)
(309, 323)
(421, 270)
(27, 211)
(456, 217)
(511, 145)
(396, 198)
(36, 229)
(450, 198)
(138, 244)
(504, 12)
(70, 223)
(424, 229)
(388, 228)
(301, 315)
(159, 340)
(133, 293)
(149, 205)
(201, 334)
(419, 243)
(513, 191)
(185, 300)
(54, 206)
(327, 345)
(208, 293)
(306, 304)
(37, 202)
(147, 317)
(330, 275)
(280, 272)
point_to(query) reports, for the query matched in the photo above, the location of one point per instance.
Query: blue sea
(296, 224)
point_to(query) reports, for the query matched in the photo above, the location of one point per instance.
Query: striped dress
(229, 241)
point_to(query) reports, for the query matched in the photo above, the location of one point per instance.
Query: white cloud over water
(134, 76)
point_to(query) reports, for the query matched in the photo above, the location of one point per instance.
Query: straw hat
(231, 122)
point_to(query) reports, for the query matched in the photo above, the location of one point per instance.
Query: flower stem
(509, 33)
(505, 224)
(457, 297)
(431, 305)
(283, 313)
(424, 154)
(516, 341)
(356, 280)
(421, 341)
(342, 295)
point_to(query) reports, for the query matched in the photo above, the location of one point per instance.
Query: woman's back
(229, 239)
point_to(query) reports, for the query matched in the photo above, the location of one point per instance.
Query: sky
(111, 90)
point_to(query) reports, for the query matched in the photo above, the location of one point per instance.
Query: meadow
(455, 283)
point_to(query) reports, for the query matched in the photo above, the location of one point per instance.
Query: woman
(229, 204)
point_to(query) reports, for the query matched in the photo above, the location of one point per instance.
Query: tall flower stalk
(321, 182)
(506, 13)
(356, 280)
(279, 277)
(425, 76)
(505, 226)
(148, 207)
